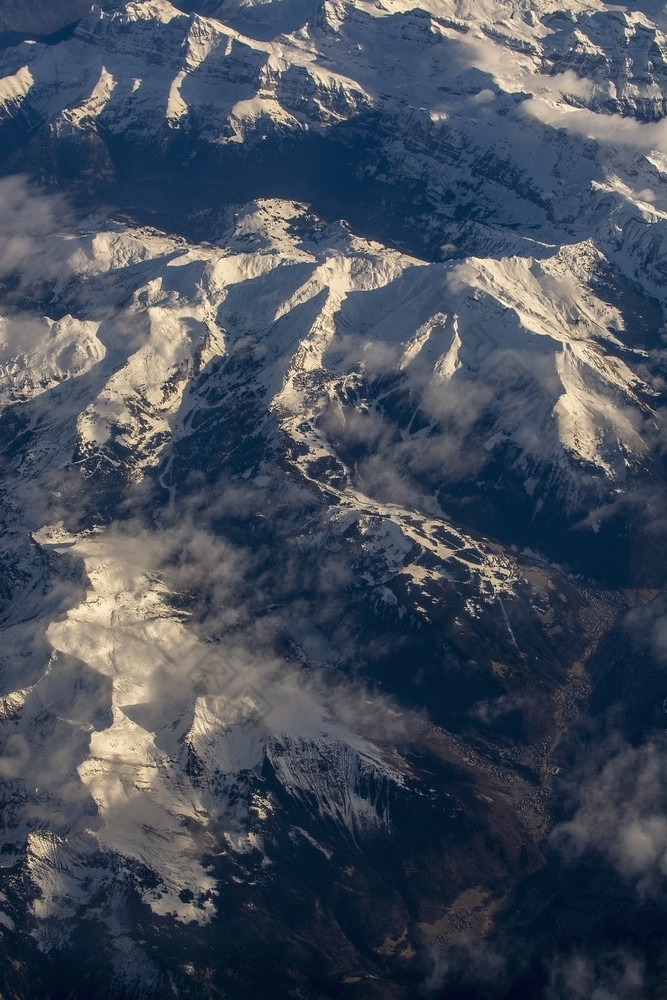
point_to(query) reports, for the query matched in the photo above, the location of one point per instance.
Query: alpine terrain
(333, 575)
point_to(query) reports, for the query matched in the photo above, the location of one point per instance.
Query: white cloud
(612, 129)
(622, 814)
(614, 976)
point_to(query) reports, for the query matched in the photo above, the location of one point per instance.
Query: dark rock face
(37, 18)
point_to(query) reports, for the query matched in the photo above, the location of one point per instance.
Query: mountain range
(332, 355)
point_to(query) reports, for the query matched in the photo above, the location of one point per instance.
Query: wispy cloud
(28, 214)
(620, 802)
(622, 814)
(614, 130)
(614, 975)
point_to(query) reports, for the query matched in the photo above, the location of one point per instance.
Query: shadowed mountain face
(38, 17)
(333, 499)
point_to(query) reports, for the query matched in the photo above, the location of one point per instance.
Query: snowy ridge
(323, 70)
(198, 70)
(334, 328)
(532, 321)
(623, 53)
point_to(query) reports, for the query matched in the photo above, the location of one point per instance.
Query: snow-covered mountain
(475, 118)
(318, 534)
